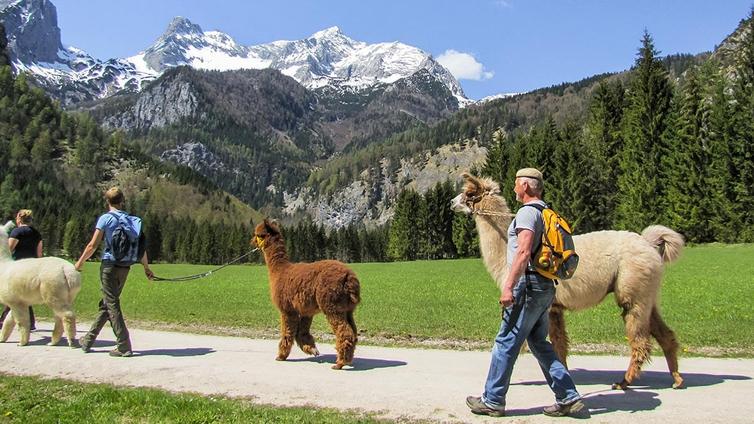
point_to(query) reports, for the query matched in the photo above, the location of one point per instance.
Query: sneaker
(86, 347)
(118, 354)
(480, 408)
(563, 409)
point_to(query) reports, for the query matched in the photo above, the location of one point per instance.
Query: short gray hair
(534, 184)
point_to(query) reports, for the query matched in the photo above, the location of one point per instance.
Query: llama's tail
(353, 288)
(667, 242)
(73, 278)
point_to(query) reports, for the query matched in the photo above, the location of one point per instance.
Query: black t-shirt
(28, 239)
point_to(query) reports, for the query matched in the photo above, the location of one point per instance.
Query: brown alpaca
(301, 290)
(624, 263)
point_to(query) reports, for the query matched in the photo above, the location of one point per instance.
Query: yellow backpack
(556, 256)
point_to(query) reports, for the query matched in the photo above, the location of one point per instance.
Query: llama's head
(478, 194)
(266, 233)
(4, 232)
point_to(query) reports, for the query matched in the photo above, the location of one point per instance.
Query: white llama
(50, 281)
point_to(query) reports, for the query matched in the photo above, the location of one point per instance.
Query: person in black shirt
(24, 242)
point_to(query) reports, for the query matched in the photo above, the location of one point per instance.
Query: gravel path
(395, 382)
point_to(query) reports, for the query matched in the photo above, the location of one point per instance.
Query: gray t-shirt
(526, 218)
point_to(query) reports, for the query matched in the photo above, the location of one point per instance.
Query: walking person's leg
(103, 314)
(117, 280)
(32, 321)
(566, 396)
(517, 322)
(4, 314)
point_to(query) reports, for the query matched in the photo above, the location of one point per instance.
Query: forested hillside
(58, 165)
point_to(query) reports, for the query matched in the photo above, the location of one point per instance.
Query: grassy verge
(705, 299)
(34, 400)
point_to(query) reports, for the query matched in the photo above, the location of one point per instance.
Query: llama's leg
(8, 325)
(352, 323)
(669, 344)
(69, 323)
(304, 337)
(637, 330)
(558, 334)
(57, 330)
(21, 315)
(288, 328)
(345, 338)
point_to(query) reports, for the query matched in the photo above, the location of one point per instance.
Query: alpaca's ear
(8, 227)
(272, 226)
(470, 179)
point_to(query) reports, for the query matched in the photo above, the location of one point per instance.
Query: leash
(204, 274)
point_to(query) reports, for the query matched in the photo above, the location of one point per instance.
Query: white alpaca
(624, 263)
(50, 281)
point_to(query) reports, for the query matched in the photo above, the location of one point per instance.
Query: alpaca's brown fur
(624, 263)
(301, 290)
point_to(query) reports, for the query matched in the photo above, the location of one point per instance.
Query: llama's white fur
(50, 281)
(622, 262)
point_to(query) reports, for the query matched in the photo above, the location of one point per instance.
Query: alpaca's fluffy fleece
(622, 262)
(50, 281)
(301, 290)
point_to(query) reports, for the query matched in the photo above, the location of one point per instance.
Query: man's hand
(506, 299)
(79, 265)
(148, 272)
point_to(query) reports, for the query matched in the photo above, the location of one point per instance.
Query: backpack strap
(540, 208)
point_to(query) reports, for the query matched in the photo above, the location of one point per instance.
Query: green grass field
(705, 299)
(34, 400)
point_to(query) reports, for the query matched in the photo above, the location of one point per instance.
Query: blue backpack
(127, 241)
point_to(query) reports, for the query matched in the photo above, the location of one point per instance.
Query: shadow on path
(604, 402)
(654, 380)
(359, 364)
(189, 351)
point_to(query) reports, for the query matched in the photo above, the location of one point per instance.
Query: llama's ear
(470, 179)
(8, 227)
(272, 226)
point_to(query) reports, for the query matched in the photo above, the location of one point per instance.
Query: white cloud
(464, 66)
(503, 3)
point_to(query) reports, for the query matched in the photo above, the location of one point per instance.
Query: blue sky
(492, 46)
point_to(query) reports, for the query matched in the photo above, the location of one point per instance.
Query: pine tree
(4, 59)
(688, 195)
(742, 133)
(641, 192)
(602, 149)
(403, 242)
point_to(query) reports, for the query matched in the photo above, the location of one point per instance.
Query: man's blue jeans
(527, 319)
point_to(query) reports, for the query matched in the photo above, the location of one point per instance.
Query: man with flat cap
(526, 297)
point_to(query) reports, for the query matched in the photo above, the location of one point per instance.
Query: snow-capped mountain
(326, 58)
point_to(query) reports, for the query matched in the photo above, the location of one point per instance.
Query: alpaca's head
(265, 234)
(4, 232)
(478, 194)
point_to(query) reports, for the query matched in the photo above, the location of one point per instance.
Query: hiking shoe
(563, 409)
(478, 407)
(118, 354)
(86, 347)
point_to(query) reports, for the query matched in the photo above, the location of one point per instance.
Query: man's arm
(145, 263)
(39, 249)
(12, 243)
(90, 248)
(518, 265)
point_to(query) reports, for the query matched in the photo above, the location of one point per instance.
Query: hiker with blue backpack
(124, 246)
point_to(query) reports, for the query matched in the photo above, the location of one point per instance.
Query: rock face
(370, 198)
(327, 58)
(32, 30)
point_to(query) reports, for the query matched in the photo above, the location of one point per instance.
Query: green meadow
(706, 299)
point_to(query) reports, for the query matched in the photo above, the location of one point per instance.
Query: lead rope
(204, 274)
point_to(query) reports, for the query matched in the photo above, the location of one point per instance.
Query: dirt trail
(396, 382)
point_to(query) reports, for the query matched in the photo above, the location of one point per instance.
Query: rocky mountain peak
(32, 30)
(182, 26)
